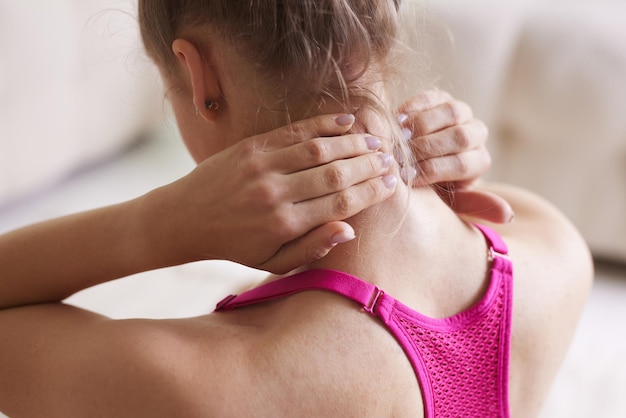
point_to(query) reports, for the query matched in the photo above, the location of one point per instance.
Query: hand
(276, 201)
(450, 148)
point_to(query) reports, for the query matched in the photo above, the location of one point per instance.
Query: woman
(236, 70)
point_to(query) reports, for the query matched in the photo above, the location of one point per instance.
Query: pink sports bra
(461, 362)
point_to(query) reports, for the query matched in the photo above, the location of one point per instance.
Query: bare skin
(55, 384)
(313, 354)
(335, 360)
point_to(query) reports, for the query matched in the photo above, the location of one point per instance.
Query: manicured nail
(387, 159)
(342, 237)
(345, 120)
(511, 219)
(402, 117)
(399, 156)
(373, 143)
(408, 173)
(390, 181)
(406, 132)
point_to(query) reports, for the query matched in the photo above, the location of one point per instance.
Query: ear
(201, 77)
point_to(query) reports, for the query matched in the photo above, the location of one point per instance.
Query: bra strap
(343, 284)
(496, 243)
(352, 288)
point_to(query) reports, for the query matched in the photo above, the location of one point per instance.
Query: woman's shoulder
(553, 272)
(542, 233)
(112, 367)
(552, 263)
(550, 257)
(188, 367)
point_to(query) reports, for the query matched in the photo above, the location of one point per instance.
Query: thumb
(314, 245)
(481, 205)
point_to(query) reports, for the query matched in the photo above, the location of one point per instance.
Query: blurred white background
(81, 125)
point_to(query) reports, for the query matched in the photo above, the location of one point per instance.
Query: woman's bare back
(311, 354)
(319, 354)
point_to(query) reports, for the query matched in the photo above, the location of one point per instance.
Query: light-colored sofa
(74, 88)
(549, 78)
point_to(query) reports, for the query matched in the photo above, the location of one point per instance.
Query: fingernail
(399, 156)
(408, 173)
(387, 159)
(402, 117)
(390, 181)
(511, 218)
(342, 237)
(373, 143)
(345, 120)
(406, 132)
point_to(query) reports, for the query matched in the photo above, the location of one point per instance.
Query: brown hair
(315, 50)
(296, 40)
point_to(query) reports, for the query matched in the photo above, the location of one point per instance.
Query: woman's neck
(412, 244)
(425, 255)
(414, 247)
(402, 230)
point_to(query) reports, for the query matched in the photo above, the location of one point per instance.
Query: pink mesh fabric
(461, 368)
(461, 362)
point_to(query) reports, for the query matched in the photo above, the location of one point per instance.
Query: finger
(346, 203)
(425, 100)
(295, 133)
(481, 205)
(454, 140)
(311, 247)
(444, 115)
(466, 166)
(319, 151)
(336, 176)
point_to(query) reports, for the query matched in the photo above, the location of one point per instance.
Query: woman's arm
(60, 361)
(242, 204)
(56, 359)
(279, 207)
